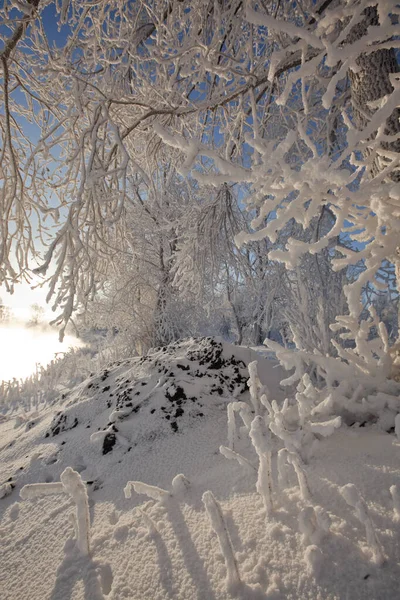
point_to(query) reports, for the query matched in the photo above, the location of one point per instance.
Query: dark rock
(109, 443)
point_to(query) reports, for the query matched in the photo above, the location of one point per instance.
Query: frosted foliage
(312, 91)
(337, 149)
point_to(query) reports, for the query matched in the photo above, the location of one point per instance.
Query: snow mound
(106, 426)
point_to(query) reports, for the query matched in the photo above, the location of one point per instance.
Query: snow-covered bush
(357, 385)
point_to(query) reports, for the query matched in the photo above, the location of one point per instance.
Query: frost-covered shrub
(357, 385)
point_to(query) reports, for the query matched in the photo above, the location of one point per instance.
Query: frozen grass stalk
(217, 521)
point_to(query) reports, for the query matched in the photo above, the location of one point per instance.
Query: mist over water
(22, 348)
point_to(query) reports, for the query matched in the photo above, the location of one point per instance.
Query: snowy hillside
(287, 533)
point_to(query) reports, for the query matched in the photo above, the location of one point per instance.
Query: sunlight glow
(22, 348)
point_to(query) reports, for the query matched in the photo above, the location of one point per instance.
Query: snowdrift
(192, 524)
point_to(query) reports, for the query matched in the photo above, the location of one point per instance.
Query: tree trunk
(372, 82)
(369, 84)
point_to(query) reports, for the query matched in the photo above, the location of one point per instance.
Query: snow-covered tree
(274, 96)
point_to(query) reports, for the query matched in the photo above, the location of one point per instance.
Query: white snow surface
(144, 549)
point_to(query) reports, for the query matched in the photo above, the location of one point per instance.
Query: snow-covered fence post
(261, 441)
(217, 521)
(71, 483)
(394, 490)
(353, 498)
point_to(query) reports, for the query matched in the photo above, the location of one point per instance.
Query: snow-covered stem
(76, 488)
(244, 412)
(313, 557)
(261, 440)
(217, 522)
(313, 523)
(232, 455)
(180, 485)
(295, 460)
(283, 468)
(231, 426)
(397, 426)
(353, 498)
(395, 493)
(152, 491)
(255, 387)
(35, 490)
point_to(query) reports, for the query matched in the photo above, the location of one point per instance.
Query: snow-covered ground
(149, 420)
